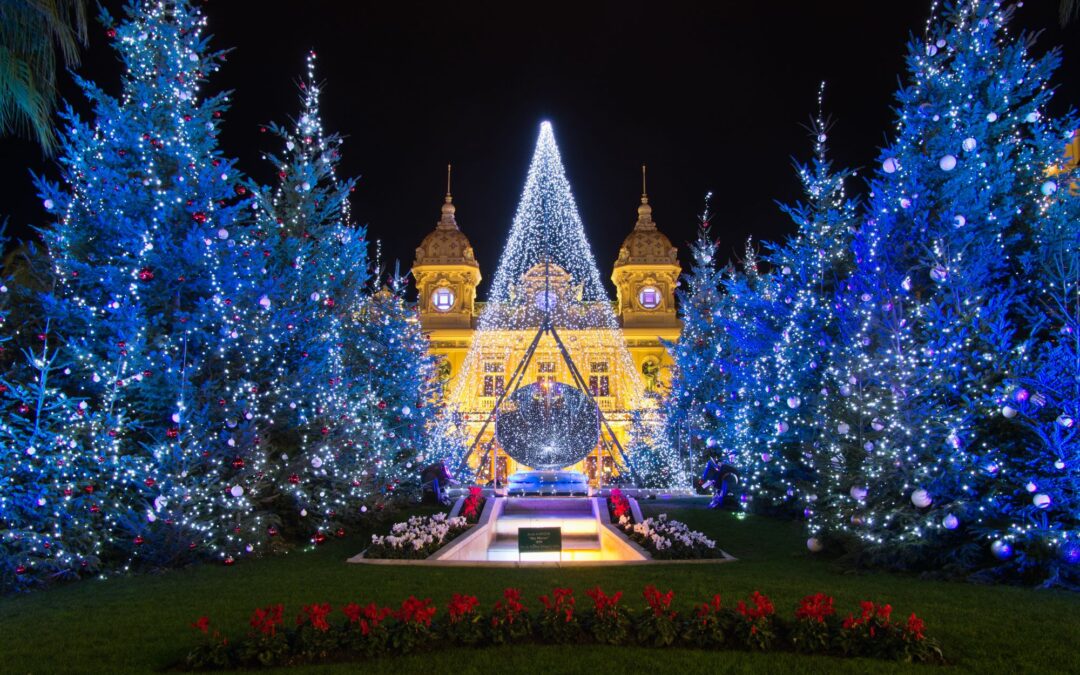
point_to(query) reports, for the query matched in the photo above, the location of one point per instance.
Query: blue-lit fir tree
(700, 377)
(917, 448)
(809, 268)
(144, 217)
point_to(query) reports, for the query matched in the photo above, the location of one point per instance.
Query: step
(569, 525)
(569, 543)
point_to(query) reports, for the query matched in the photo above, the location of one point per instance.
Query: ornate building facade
(645, 275)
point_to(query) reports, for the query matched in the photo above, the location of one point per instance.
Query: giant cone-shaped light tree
(923, 463)
(547, 264)
(144, 219)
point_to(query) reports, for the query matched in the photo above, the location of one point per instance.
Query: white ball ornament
(1001, 550)
(794, 402)
(921, 498)
(303, 513)
(959, 220)
(845, 390)
(264, 302)
(858, 493)
(947, 163)
(814, 545)
(766, 457)
(1065, 422)
(314, 296)
(931, 50)
(175, 418)
(969, 144)
(890, 165)
(289, 145)
(877, 425)
(237, 491)
(316, 462)
(939, 273)
(1041, 500)
(49, 203)
(991, 117)
(1059, 465)
(868, 446)
(222, 233)
(782, 427)
(843, 428)
(1031, 487)
(1032, 117)
(249, 548)
(950, 522)
(1048, 188)
(150, 516)
(905, 203)
(1008, 411)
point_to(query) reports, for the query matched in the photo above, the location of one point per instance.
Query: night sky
(711, 95)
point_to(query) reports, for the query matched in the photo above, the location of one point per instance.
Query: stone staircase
(575, 516)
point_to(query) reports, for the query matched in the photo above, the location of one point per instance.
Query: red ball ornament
(199, 217)
(89, 489)
(139, 541)
(325, 430)
(229, 561)
(21, 569)
(272, 531)
(240, 190)
(172, 433)
(150, 482)
(294, 479)
(146, 274)
(319, 538)
(110, 33)
(238, 463)
(23, 408)
(381, 405)
(340, 533)
(94, 508)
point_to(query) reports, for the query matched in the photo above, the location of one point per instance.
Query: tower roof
(447, 245)
(646, 245)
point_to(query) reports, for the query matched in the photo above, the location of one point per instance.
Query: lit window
(443, 299)
(546, 367)
(494, 385)
(649, 297)
(599, 385)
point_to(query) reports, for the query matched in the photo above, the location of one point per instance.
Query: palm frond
(32, 32)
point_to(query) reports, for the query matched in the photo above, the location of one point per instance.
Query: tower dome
(446, 272)
(646, 245)
(447, 244)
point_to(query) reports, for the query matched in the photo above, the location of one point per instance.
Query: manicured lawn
(140, 624)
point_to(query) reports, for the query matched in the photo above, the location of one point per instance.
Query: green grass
(140, 624)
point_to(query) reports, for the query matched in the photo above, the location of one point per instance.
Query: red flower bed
(371, 630)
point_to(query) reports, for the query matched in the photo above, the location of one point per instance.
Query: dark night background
(711, 95)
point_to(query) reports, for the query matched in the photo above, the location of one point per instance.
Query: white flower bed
(669, 539)
(417, 537)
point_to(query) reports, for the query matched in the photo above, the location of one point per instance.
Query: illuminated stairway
(575, 516)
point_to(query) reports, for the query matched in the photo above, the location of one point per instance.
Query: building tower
(446, 275)
(645, 276)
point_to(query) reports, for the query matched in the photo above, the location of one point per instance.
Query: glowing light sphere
(921, 498)
(947, 163)
(1002, 550)
(548, 425)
